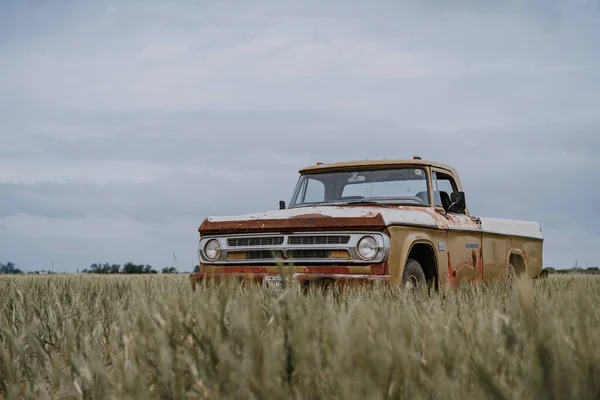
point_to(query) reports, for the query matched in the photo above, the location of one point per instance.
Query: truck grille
(255, 241)
(312, 240)
(263, 254)
(306, 248)
(309, 254)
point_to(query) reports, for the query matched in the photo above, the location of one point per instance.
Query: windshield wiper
(343, 203)
(365, 202)
(322, 203)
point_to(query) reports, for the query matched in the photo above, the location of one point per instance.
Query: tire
(413, 277)
(512, 273)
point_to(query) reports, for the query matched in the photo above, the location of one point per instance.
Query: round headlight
(367, 248)
(212, 249)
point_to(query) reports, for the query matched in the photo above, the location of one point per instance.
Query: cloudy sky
(123, 124)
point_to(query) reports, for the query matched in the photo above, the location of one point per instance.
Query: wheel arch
(423, 251)
(515, 257)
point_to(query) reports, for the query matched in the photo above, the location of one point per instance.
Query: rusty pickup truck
(403, 222)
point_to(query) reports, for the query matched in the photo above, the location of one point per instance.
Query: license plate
(272, 281)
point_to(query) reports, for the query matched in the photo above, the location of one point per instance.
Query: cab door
(464, 236)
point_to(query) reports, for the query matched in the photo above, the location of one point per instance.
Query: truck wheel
(512, 274)
(413, 276)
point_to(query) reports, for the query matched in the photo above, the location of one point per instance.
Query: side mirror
(458, 202)
(281, 205)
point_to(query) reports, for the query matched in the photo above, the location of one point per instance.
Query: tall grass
(152, 337)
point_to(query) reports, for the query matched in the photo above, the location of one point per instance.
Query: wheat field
(152, 337)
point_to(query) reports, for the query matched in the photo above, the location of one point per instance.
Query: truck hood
(329, 218)
(319, 218)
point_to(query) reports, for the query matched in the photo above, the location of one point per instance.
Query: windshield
(406, 186)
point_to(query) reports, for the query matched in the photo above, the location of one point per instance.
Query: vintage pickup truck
(403, 222)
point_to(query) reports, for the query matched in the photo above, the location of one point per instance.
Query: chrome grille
(309, 248)
(255, 241)
(263, 254)
(310, 240)
(309, 254)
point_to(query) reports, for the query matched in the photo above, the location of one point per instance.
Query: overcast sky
(123, 124)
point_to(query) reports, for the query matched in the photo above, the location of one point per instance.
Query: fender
(401, 247)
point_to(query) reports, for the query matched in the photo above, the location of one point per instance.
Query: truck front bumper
(339, 276)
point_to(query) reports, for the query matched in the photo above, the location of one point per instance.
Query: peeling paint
(451, 273)
(327, 218)
(479, 275)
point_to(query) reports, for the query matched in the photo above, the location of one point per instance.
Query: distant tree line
(591, 270)
(9, 268)
(96, 268)
(128, 268)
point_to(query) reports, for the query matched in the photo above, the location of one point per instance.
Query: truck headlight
(367, 248)
(212, 249)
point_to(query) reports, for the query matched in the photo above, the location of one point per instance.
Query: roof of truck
(321, 167)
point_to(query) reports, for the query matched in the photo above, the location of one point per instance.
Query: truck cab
(402, 222)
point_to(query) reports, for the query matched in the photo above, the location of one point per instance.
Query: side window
(315, 192)
(443, 186)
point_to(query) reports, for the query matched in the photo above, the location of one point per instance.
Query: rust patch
(312, 222)
(329, 279)
(241, 270)
(326, 270)
(461, 221)
(315, 215)
(375, 269)
(439, 219)
(341, 277)
(451, 273)
(479, 276)
(379, 269)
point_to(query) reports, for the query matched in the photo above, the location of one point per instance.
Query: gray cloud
(146, 119)
(157, 202)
